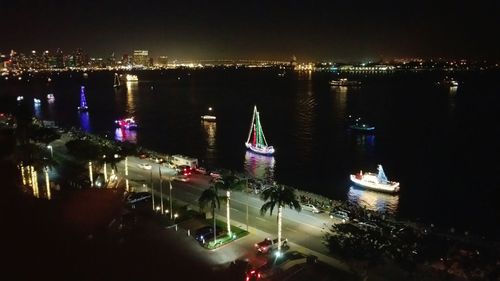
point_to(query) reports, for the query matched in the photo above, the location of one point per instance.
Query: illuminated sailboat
(83, 101)
(116, 82)
(256, 141)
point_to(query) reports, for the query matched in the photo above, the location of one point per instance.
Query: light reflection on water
(374, 201)
(85, 122)
(210, 129)
(123, 135)
(259, 166)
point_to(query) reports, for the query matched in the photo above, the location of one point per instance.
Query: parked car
(342, 215)
(138, 196)
(310, 208)
(202, 232)
(275, 267)
(269, 245)
(145, 166)
(184, 170)
(206, 233)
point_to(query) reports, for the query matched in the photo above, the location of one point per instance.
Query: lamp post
(105, 171)
(126, 174)
(90, 174)
(161, 189)
(152, 190)
(51, 151)
(170, 197)
(47, 182)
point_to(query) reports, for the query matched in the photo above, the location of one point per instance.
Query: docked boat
(50, 97)
(20, 98)
(357, 124)
(256, 141)
(83, 100)
(37, 101)
(126, 123)
(131, 78)
(344, 82)
(377, 182)
(209, 116)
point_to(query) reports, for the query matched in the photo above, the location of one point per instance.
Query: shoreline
(324, 203)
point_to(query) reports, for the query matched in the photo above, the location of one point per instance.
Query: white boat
(377, 182)
(209, 117)
(50, 97)
(256, 141)
(131, 78)
(36, 101)
(20, 98)
(344, 82)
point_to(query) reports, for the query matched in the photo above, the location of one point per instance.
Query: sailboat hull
(266, 150)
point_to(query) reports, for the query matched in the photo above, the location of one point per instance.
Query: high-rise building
(59, 59)
(162, 61)
(141, 57)
(81, 59)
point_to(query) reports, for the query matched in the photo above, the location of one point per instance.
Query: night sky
(311, 30)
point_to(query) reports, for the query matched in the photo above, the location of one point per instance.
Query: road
(304, 229)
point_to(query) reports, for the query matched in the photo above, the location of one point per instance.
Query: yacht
(126, 123)
(377, 182)
(344, 82)
(131, 78)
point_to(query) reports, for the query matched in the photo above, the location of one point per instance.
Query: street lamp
(170, 197)
(105, 171)
(161, 189)
(51, 151)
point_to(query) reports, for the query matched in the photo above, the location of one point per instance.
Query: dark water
(441, 144)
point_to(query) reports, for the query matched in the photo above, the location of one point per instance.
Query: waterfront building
(141, 57)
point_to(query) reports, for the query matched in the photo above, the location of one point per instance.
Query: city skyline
(316, 31)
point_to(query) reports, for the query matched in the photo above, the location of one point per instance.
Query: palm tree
(229, 182)
(210, 197)
(279, 196)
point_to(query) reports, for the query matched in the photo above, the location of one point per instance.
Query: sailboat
(83, 101)
(258, 143)
(377, 182)
(116, 83)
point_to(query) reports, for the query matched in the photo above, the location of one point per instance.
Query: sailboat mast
(260, 134)
(83, 101)
(252, 123)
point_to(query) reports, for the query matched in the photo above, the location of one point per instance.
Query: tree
(210, 197)
(279, 196)
(229, 182)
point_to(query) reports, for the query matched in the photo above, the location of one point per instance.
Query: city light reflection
(85, 122)
(374, 201)
(259, 166)
(123, 135)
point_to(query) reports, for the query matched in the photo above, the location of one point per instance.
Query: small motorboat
(126, 123)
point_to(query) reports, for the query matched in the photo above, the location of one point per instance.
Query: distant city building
(80, 58)
(112, 60)
(141, 57)
(162, 61)
(58, 59)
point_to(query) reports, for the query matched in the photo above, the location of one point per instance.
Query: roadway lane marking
(293, 230)
(259, 218)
